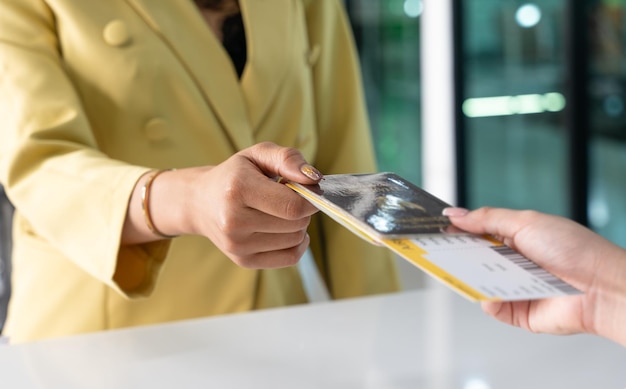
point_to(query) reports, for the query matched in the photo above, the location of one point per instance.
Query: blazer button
(116, 33)
(156, 130)
(313, 55)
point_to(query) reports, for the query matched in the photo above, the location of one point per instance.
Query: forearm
(610, 301)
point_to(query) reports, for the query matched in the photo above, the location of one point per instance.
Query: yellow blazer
(95, 93)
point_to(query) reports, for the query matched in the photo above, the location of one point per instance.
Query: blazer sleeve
(70, 196)
(351, 265)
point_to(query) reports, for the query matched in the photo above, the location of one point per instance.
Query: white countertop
(417, 339)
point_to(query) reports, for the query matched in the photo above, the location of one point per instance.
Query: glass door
(607, 90)
(387, 34)
(513, 104)
(543, 110)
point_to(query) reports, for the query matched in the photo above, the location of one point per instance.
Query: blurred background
(540, 101)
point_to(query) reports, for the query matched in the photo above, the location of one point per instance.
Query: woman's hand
(240, 205)
(571, 252)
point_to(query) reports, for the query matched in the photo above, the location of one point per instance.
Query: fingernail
(454, 212)
(311, 172)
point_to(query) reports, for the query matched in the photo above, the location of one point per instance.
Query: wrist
(608, 304)
(146, 204)
(162, 205)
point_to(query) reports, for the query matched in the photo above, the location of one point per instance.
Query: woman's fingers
(274, 257)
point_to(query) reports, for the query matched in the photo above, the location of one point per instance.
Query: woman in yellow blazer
(96, 96)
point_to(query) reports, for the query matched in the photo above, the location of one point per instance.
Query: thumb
(286, 162)
(500, 222)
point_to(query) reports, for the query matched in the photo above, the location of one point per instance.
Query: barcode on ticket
(534, 269)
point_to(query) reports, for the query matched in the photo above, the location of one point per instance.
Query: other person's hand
(571, 252)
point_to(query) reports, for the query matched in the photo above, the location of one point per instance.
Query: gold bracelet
(145, 204)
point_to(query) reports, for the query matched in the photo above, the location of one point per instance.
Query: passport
(387, 210)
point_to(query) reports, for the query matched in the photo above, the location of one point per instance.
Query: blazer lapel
(182, 27)
(268, 28)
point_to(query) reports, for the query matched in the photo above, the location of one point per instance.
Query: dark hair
(233, 34)
(210, 4)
